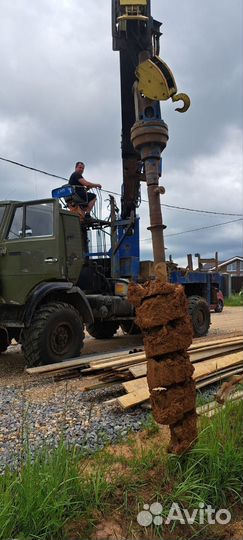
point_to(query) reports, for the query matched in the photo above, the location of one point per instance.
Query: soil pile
(162, 315)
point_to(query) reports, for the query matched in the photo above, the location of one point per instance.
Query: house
(233, 266)
(232, 270)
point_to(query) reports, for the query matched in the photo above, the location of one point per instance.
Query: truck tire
(56, 334)
(220, 306)
(129, 327)
(200, 314)
(4, 341)
(102, 329)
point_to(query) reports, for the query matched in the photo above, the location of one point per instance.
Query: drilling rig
(161, 307)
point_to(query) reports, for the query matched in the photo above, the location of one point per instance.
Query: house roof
(229, 261)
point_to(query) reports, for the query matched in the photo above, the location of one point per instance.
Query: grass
(56, 489)
(235, 300)
(213, 466)
(37, 501)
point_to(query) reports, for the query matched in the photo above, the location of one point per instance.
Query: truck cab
(49, 289)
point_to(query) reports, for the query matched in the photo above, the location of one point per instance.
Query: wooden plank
(117, 363)
(215, 342)
(140, 370)
(210, 366)
(109, 361)
(98, 385)
(133, 398)
(75, 362)
(137, 384)
(218, 377)
(198, 356)
(82, 360)
(224, 370)
(207, 367)
(141, 394)
(126, 359)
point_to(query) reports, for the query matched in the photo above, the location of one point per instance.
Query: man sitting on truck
(82, 186)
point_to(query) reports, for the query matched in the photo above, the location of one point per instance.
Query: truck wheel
(56, 334)
(220, 306)
(200, 314)
(102, 329)
(129, 327)
(4, 341)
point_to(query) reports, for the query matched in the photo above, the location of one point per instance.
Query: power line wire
(198, 229)
(115, 193)
(32, 168)
(200, 211)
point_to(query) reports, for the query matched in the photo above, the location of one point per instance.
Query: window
(241, 266)
(232, 267)
(39, 220)
(17, 224)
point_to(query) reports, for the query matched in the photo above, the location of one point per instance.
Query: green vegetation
(63, 494)
(235, 300)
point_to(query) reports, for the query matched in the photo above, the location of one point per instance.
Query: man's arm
(88, 184)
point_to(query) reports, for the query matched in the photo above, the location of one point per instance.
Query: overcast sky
(60, 102)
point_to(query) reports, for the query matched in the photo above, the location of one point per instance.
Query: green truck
(49, 290)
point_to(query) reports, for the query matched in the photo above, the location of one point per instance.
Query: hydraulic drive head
(156, 81)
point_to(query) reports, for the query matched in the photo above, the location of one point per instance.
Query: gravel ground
(42, 416)
(81, 418)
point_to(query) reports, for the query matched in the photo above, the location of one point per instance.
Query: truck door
(29, 251)
(73, 245)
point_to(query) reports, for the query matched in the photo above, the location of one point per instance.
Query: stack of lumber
(213, 361)
(206, 372)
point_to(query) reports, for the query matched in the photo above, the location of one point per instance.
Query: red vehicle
(218, 308)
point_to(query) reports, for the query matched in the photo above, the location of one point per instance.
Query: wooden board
(76, 362)
(133, 398)
(207, 351)
(140, 396)
(81, 361)
(197, 356)
(216, 342)
(140, 370)
(127, 361)
(138, 389)
(201, 369)
(137, 384)
(211, 366)
(220, 376)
